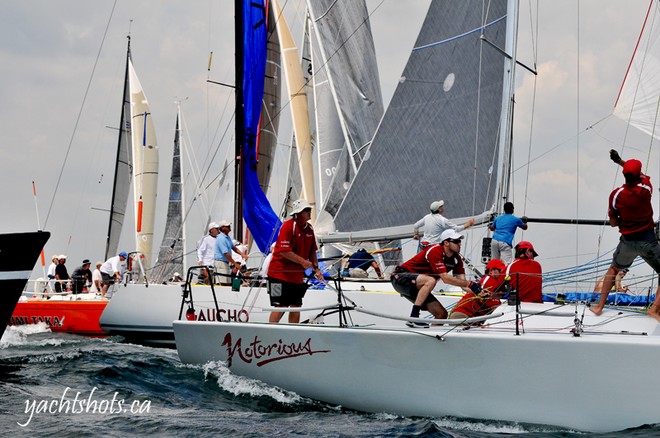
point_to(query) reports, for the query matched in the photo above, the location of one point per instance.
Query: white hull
(144, 314)
(545, 376)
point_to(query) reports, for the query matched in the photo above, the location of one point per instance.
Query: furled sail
(170, 255)
(638, 102)
(439, 136)
(348, 99)
(145, 168)
(123, 164)
(259, 216)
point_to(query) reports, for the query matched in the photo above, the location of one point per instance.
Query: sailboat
(18, 254)
(144, 313)
(507, 366)
(137, 161)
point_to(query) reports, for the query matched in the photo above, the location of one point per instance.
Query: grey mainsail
(348, 97)
(170, 255)
(439, 136)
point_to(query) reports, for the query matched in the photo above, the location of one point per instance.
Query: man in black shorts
(416, 278)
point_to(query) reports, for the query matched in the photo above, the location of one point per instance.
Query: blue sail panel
(259, 216)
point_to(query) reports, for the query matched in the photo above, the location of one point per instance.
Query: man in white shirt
(112, 270)
(435, 224)
(97, 279)
(206, 251)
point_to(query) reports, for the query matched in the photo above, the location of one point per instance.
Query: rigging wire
(82, 106)
(577, 140)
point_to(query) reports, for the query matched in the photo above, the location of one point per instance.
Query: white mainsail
(145, 168)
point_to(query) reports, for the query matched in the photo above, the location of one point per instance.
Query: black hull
(18, 255)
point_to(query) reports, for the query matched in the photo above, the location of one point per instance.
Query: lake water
(66, 385)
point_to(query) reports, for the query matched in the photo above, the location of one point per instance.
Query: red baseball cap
(496, 264)
(632, 167)
(527, 245)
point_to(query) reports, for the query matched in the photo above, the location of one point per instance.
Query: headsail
(145, 169)
(439, 136)
(123, 164)
(348, 97)
(638, 102)
(170, 255)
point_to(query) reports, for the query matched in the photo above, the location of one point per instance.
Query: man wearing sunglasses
(416, 278)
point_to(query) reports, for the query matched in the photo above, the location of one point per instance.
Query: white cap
(436, 205)
(61, 256)
(299, 205)
(450, 234)
(224, 223)
(213, 225)
(176, 274)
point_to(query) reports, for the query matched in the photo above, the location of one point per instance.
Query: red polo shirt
(472, 305)
(433, 260)
(631, 204)
(301, 241)
(526, 279)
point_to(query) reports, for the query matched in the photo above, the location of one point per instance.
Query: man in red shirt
(526, 274)
(294, 252)
(630, 209)
(416, 278)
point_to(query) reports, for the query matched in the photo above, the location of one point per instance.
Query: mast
(506, 126)
(239, 120)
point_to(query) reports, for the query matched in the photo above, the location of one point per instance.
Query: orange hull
(77, 317)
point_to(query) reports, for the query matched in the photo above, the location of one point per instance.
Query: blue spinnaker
(259, 216)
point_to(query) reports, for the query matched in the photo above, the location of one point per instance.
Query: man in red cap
(630, 209)
(488, 299)
(526, 273)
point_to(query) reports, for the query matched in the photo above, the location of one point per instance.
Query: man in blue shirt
(504, 227)
(225, 265)
(359, 263)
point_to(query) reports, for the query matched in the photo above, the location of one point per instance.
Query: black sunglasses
(458, 241)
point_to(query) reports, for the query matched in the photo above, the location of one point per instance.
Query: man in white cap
(112, 271)
(225, 265)
(206, 251)
(416, 278)
(434, 224)
(294, 252)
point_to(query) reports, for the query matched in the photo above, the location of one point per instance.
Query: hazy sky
(49, 50)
